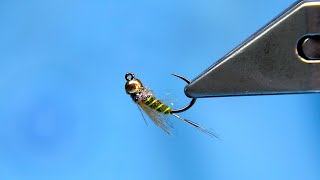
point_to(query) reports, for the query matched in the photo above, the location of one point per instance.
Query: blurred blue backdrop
(64, 113)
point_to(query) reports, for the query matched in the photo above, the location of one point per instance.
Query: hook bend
(191, 102)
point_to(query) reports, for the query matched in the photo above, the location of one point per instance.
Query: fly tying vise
(156, 110)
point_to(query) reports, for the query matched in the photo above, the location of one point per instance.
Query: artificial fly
(156, 110)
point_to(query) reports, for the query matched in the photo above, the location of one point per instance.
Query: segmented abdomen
(157, 105)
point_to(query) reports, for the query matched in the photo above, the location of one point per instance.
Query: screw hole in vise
(308, 48)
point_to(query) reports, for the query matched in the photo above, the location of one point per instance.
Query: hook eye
(308, 48)
(129, 76)
(191, 102)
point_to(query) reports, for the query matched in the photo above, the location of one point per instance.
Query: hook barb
(191, 102)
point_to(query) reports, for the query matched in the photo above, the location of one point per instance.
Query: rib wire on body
(154, 108)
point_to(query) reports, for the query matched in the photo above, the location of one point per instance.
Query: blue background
(64, 113)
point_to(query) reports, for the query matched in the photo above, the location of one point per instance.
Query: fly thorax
(143, 95)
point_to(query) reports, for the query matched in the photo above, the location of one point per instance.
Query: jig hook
(154, 107)
(130, 76)
(191, 102)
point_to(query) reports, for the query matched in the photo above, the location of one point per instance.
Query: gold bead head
(133, 86)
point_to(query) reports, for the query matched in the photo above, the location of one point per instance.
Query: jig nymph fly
(156, 110)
